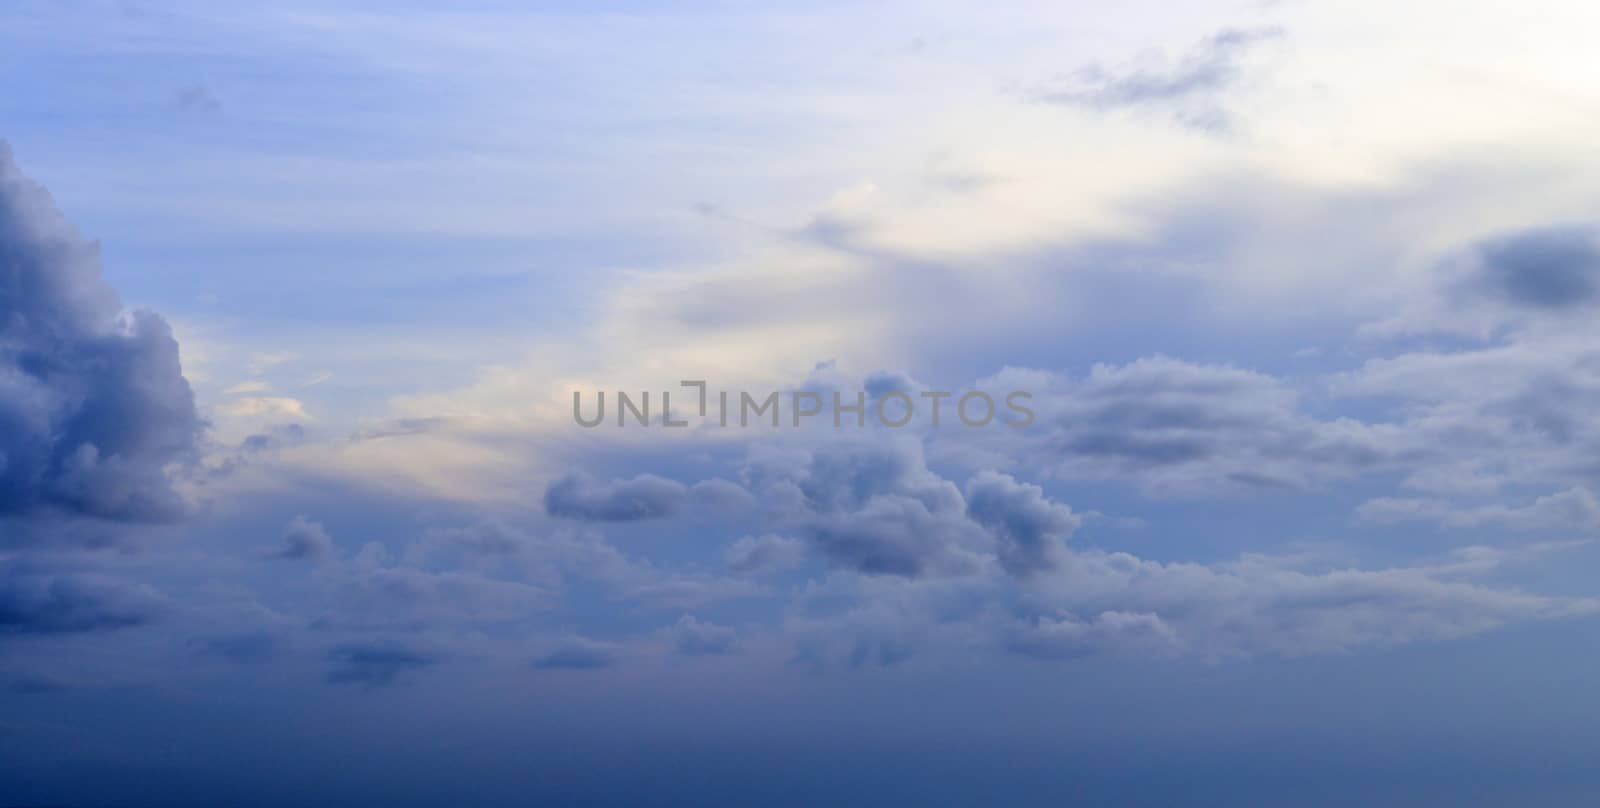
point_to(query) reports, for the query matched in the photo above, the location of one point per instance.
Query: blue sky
(294, 300)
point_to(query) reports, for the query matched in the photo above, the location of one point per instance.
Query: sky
(1286, 310)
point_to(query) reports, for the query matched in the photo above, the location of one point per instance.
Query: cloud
(1031, 530)
(1521, 410)
(579, 653)
(875, 508)
(1517, 285)
(44, 602)
(550, 557)
(870, 507)
(1102, 603)
(1260, 604)
(720, 496)
(491, 538)
(263, 406)
(580, 496)
(374, 665)
(1555, 268)
(305, 540)
(1173, 426)
(752, 555)
(1572, 509)
(1190, 90)
(93, 404)
(884, 382)
(692, 637)
(368, 594)
(1068, 636)
(888, 535)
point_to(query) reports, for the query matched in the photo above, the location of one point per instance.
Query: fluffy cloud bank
(94, 408)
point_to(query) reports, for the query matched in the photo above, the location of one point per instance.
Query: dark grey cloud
(93, 403)
(581, 496)
(1547, 268)
(49, 602)
(875, 508)
(1031, 531)
(889, 535)
(1182, 427)
(373, 665)
(1190, 90)
(304, 540)
(870, 507)
(578, 653)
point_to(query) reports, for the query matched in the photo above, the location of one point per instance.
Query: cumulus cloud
(888, 535)
(874, 507)
(1030, 529)
(94, 408)
(305, 540)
